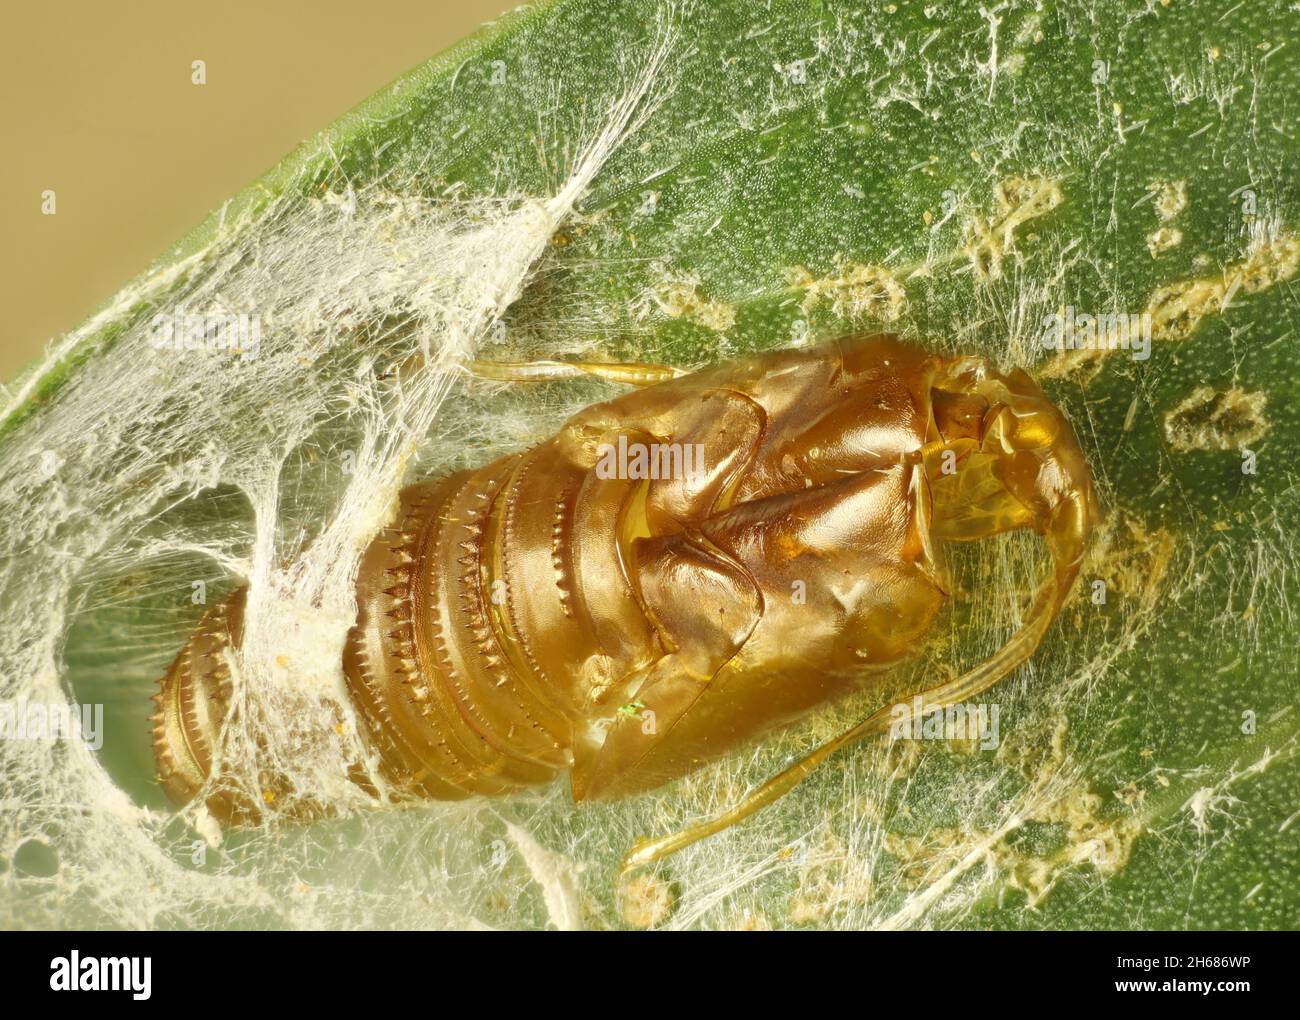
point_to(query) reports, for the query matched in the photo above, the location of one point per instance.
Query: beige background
(96, 103)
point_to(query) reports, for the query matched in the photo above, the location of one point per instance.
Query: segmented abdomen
(445, 705)
(485, 611)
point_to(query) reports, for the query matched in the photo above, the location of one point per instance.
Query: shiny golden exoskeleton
(677, 572)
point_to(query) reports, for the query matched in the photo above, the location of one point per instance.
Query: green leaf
(682, 185)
